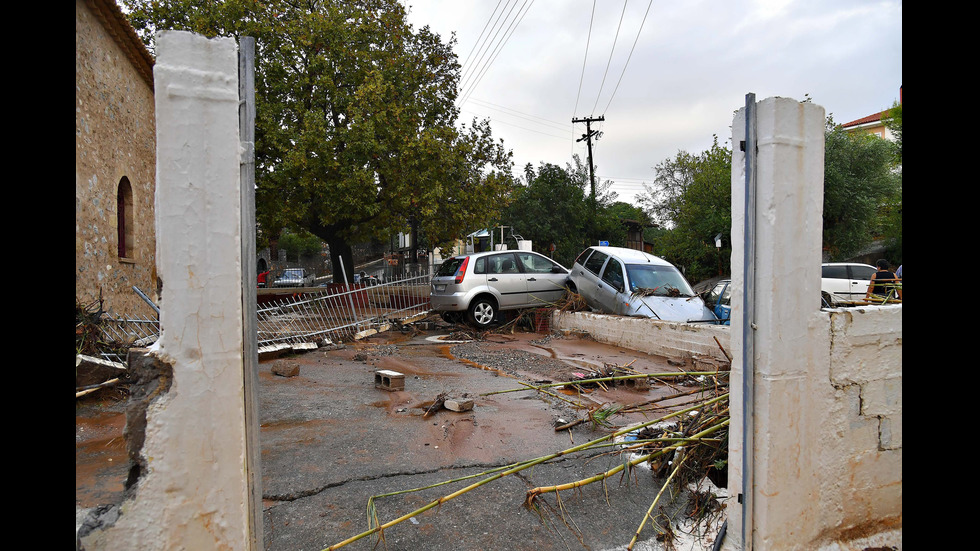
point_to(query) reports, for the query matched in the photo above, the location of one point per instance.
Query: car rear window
(594, 263)
(582, 256)
(449, 267)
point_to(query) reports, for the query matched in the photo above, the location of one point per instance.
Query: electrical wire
(510, 32)
(468, 72)
(479, 38)
(611, 50)
(629, 57)
(582, 77)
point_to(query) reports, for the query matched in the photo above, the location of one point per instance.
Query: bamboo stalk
(534, 492)
(654, 504)
(517, 468)
(601, 379)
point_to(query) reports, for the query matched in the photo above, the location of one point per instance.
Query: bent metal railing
(336, 313)
(341, 312)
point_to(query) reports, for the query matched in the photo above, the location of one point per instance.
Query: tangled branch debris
(681, 445)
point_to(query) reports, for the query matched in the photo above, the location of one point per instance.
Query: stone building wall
(114, 139)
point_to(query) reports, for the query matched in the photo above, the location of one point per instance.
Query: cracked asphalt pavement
(331, 440)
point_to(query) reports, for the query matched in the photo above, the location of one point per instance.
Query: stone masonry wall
(114, 138)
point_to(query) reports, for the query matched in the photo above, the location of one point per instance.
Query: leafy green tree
(691, 198)
(860, 186)
(892, 211)
(356, 132)
(299, 245)
(551, 208)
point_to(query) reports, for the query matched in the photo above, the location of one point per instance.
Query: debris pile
(685, 446)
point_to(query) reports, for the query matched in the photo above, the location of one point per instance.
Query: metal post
(250, 354)
(748, 323)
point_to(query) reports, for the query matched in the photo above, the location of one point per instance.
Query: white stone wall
(662, 338)
(815, 438)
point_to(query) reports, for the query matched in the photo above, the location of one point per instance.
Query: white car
(844, 282)
(634, 283)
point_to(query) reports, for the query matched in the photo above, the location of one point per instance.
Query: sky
(665, 76)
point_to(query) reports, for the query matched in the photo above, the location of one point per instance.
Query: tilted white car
(478, 286)
(634, 283)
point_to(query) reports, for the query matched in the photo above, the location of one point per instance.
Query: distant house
(872, 124)
(115, 161)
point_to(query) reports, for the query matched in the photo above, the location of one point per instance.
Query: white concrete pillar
(193, 494)
(788, 236)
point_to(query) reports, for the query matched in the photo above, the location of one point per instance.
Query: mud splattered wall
(114, 144)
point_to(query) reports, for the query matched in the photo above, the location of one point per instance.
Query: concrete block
(458, 404)
(389, 380)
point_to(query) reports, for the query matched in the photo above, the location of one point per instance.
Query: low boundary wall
(663, 338)
(843, 480)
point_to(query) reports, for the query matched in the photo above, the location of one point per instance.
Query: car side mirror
(558, 270)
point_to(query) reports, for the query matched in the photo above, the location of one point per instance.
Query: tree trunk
(341, 259)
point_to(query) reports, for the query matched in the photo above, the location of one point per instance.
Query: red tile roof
(864, 120)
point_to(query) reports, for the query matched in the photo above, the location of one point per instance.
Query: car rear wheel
(481, 312)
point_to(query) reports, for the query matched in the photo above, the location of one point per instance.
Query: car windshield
(293, 273)
(658, 280)
(449, 267)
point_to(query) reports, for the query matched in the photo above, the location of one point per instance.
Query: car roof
(631, 255)
(847, 264)
(487, 253)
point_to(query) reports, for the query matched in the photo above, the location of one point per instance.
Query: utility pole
(589, 134)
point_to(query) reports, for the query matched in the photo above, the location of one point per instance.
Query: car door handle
(531, 279)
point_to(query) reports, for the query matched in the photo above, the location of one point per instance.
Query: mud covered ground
(331, 440)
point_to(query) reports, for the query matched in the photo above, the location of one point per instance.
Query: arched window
(124, 218)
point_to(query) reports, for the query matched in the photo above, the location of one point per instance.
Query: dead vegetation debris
(681, 447)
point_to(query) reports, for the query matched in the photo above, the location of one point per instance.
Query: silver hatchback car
(479, 286)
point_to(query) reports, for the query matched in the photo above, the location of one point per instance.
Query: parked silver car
(294, 277)
(634, 283)
(478, 286)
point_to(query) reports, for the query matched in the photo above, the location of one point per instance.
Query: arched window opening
(124, 218)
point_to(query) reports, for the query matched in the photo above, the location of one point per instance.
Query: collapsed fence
(339, 312)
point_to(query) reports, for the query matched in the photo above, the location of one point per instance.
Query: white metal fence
(338, 312)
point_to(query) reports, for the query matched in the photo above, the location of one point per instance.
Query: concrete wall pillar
(788, 223)
(193, 493)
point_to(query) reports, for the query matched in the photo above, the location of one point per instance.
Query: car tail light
(462, 270)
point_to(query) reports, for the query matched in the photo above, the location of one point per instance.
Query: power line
(630, 56)
(468, 72)
(521, 127)
(513, 26)
(587, 41)
(469, 55)
(532, 118)
(611, 50)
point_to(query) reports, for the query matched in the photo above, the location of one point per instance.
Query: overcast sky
(666, 76)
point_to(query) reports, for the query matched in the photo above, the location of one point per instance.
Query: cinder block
(389, 380)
